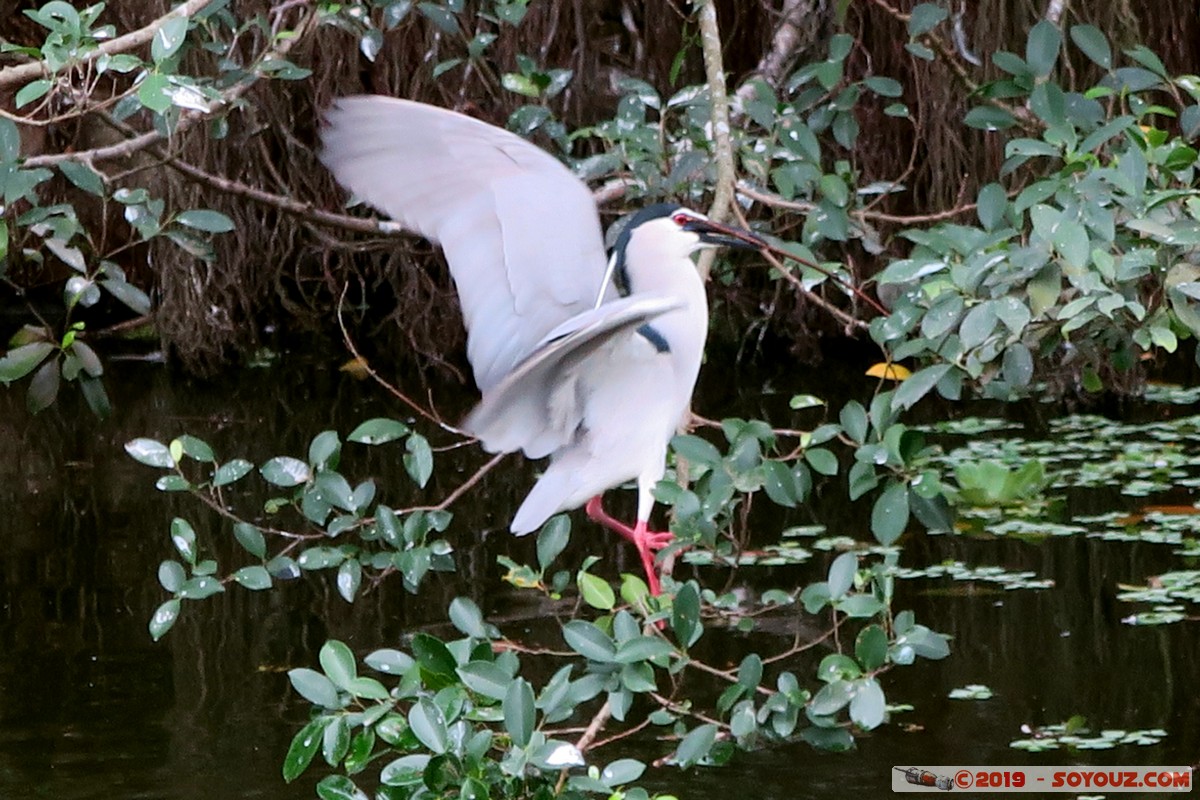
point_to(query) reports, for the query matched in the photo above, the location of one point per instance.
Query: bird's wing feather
(536, 407)
(521, 233)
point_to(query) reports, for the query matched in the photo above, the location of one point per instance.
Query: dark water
(90, 707)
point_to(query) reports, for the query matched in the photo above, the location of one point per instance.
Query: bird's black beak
(715, 234)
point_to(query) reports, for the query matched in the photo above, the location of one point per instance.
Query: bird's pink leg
(596, 513)
(646, 541)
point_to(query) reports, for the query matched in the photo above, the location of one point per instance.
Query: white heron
(590, 360)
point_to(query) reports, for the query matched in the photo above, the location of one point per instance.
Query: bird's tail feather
(551, 494)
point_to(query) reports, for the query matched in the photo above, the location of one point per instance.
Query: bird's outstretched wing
(537, 407)
(520, 232)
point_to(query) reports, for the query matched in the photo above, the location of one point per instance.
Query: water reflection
(90, 707)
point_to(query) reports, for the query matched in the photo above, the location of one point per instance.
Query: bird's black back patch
(651, 335)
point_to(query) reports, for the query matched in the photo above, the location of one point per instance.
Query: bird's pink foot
(646, 541)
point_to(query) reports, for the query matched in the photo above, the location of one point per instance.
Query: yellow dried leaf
(889, 372)
(356, 368)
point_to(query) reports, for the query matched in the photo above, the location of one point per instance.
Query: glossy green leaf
(250, 538)
(589, 641)
(889, 515)
(519, 712)
(231, 472)
(418, 461)
(467, 617)
(164, 618)
(696, 745)
(552, 539)
(203, 219)
(339, 787)
(870, 647)
(314, 687)
(405, 771)
(596, 591)
(304, 746)
(433, 655)
(337, 661)
(868, 707)
(486, 678)
(429, 725)
(1093, 43)
(379, 430)
(286, 471)
(254, 577)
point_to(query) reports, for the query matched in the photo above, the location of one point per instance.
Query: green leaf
(780, 484)
(868, 706)
(552, 539)
(696, 450)
(696, 745)
(1042, 46)
(314, 687)
(917, 385)
(621, 772)
(486, 678)
(389, 661)
(596, 591)
(128, 294)
(285, 471)
(204, 219)
(150, 452)
(405, 771)
(870, 647)
(254, 577)
(750, 672)
(379, 430)
(832, 698)
(643, 648)
(429, 725)
(164, 617)
(43, 389)
(519, 712)
(1093, 43)
(169, 38)
(841, 575)
(418, 461)
(20, 361)
(349, 579)
(992, 204)
(685, 615)
(924, 18)
(336, 741)
(821, 460)
(183, 536)
(589, 641)
(32, 91)
(884, 87)
(250, 538)
(467, 617)
(82, 176)
(152, 93)
(197, 449)
(889, 516)
(989, 118)
(303, 748)
(232, 471)
(338, 663)
(433, 655)
(339, 787)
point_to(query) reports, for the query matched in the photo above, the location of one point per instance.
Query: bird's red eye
(681, 219)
